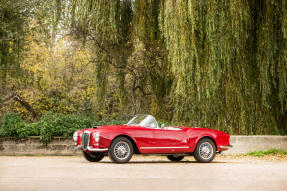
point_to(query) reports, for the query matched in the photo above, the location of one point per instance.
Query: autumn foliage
(216, 64)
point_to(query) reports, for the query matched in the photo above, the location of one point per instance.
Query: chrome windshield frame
(150, 117)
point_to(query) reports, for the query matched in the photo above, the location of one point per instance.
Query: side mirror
(162, 126)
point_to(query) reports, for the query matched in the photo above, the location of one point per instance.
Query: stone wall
(33, 146)
(244, 144)
(64, 146)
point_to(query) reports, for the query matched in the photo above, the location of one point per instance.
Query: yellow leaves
(58, 77)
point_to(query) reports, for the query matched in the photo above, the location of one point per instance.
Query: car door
(166, 141)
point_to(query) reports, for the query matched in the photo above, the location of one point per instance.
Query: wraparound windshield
(143, 121)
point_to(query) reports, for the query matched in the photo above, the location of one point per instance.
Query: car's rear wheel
(205, 151)
(175, 158)
(121, 150)
(93, 157)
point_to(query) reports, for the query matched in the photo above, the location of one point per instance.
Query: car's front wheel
(121, 150)
(175, 158)
(205, 151)
(93, 157)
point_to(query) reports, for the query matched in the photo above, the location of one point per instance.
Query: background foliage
(217, 64)
(49, 125)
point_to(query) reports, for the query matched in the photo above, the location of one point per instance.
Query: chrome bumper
(225, 147)
(91, 149)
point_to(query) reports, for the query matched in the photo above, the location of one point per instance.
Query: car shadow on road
(164, 162)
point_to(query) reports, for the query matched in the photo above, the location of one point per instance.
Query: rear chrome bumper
(91, 149)
(225, 147)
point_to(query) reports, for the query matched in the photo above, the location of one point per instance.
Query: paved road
(142, 173)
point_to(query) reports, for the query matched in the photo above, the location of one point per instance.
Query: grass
(267, 152)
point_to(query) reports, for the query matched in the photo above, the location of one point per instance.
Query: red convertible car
(142, 135)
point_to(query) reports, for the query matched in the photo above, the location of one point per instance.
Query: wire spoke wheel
(206, 150)
(122, 150)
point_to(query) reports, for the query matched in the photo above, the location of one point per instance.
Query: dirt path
(142, 173)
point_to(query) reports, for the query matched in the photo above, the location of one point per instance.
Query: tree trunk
(23, 103)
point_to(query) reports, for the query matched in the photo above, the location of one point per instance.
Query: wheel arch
(208, 137)
(136, 150)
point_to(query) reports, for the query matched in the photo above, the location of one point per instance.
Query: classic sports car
(142, 135)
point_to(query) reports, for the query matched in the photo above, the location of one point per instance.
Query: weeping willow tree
(156, 78)
(229, 63)
(105, 25)
(219, 64)
(271, 61)
(127, 46)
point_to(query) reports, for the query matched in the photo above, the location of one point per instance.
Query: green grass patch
(267, 152)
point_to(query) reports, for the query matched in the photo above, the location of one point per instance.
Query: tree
(12, 34)
(230, 72)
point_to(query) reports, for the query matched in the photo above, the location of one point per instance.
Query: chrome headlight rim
(97, 137)
(75, 136)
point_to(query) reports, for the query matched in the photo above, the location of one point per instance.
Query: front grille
(85, 139)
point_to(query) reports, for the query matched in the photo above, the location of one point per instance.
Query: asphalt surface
(141, 173)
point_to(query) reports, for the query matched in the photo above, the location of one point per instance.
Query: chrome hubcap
(206, 150)
(122, 150)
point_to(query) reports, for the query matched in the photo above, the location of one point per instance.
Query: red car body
(153, 140)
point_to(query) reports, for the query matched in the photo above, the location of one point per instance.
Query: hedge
(49, 125)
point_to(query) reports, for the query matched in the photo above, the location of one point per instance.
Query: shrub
(11, 125)
(50, 125)
(61, 125)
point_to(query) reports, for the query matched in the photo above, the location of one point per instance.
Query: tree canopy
(217, 64)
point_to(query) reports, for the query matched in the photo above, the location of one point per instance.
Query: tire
(205, 151)
(93, 157)
(121, 150)
(175, 158)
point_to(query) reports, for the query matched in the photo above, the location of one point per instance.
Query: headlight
(75, 136)
(97, 137)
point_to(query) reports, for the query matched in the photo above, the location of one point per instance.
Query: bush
(12, 125)
(50, 125)
(61, 125)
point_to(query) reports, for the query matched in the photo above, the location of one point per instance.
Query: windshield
(143, 121)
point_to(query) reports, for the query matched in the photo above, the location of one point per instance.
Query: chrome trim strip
(91, 149)
(164, 147)
(226, 147)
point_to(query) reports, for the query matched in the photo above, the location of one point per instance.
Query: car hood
(110, 127)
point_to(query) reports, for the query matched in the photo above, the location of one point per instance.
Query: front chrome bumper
(91, 149)
(225, 147)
